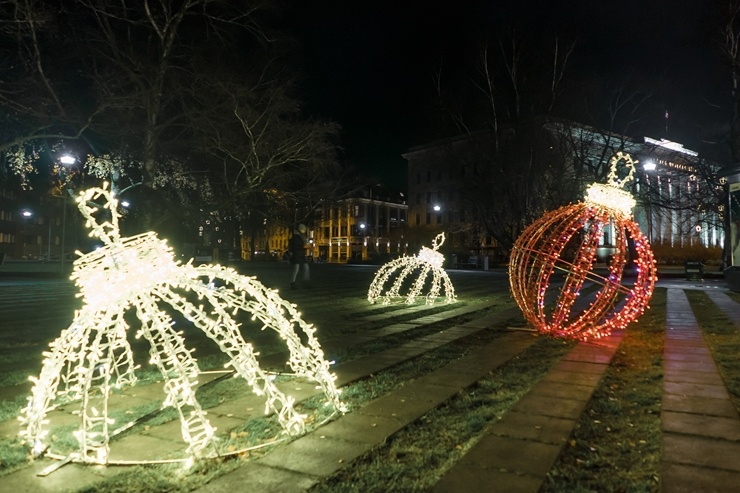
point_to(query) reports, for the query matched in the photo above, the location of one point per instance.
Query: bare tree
(186, 100)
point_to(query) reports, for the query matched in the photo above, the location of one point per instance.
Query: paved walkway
(701, 427)
(701, 441)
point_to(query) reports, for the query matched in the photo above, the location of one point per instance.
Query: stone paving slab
(698, 405)
(566, 390)
(537, 427)
(71, 475)
(696, 389)
(724, 428)
(701, 451)
(314, 455)
(694, 377)
(371, 431)
(578, 378)
(408, 403)
(680, 478)
(708, 367)
(261, 478)
(694, 355)
(520, 457)
(556, 407)
(474, 479)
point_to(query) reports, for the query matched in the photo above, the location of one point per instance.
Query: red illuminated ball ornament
(552, 264)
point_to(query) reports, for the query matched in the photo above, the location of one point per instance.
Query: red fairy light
(554, 257)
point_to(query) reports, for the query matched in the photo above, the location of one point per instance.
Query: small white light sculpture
(428, 260)
(140, 273)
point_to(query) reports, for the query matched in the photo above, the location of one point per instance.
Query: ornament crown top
(629, 163)
(611, 195)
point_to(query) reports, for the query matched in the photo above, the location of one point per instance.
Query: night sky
(368, 64)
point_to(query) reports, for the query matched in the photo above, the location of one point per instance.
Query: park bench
(471, 263)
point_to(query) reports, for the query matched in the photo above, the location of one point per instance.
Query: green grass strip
(616, 444)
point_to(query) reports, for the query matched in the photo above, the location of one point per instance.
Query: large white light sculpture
(398, 270)
(93, 356)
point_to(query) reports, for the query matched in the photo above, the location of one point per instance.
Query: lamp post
(26, 214)
(66, 160)
(647, 168)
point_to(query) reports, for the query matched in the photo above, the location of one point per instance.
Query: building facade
(673, 186)
(361, 229)
(31, 228)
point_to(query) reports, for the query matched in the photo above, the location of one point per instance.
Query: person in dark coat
(297, 247)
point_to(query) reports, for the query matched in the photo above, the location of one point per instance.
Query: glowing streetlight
(649, 166)
(66, 160)
(437, 208)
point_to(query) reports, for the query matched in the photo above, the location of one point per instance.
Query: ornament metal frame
(546, 246)
(93, 355)
(425, 262)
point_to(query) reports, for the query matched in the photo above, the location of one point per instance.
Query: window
(418, 198)
(429, 218)
(418, 219)
(439, 218)
(429, 197)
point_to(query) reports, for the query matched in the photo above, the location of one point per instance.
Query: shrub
(666, 254)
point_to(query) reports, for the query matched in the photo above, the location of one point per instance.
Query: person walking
(297, 247)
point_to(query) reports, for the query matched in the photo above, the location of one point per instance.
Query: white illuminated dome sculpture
(398, 273)
(140, 274)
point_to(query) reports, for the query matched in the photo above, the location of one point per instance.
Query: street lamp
(647, 167)
(26, 215)
(66, 160)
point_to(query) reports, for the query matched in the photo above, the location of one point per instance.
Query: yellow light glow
(427, 261)
(94, 355)
(611, 195)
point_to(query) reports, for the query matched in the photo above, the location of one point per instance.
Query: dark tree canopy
(188, 100)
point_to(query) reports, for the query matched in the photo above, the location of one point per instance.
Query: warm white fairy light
(428, 260)
(141, 273)
(611, 194)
